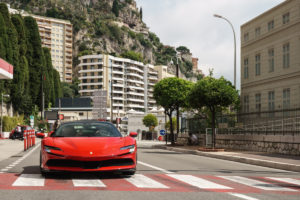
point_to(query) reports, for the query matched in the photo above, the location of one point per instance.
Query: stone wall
(282, 144)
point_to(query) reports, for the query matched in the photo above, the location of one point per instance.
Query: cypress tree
(3, 37)
(115, 8)
(35, 58)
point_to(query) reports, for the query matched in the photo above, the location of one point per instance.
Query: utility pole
(177, 109)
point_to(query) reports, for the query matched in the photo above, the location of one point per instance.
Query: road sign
(162, 132)
(32, 117)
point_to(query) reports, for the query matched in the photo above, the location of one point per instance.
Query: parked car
(14, 134)
(88, 146)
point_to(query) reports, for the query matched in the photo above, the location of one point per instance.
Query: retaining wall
(282, 144)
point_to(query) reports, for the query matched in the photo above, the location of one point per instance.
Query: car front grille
(89, 164)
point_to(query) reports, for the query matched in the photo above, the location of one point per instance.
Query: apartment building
(56, 34)
(270, 60)
(151, 78)
(130, 82)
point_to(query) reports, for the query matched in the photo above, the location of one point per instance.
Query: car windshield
(86, 130)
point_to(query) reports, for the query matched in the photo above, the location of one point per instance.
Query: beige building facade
(270, 60)
(56, 34)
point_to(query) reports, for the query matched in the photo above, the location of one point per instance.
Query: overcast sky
(191, 23)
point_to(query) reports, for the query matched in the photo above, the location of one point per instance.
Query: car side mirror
(133, 134)
(50, 133)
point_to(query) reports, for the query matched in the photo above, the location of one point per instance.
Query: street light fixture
(219, 16)
(2, 96)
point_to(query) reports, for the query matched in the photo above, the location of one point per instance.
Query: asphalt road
(160, 174)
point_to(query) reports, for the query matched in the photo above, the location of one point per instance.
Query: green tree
(115, 8)
(141, 13)
(214, 94)
(133, 56)
(174, 124)
(183, 49)
(150, 121)
(172, 93)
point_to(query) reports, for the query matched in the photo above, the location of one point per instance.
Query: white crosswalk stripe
(256, 184)
(198, 182)
(88, 183)
(30, 180)
(142, 181)
(287, 180)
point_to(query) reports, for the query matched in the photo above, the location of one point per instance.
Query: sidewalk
(277, 161)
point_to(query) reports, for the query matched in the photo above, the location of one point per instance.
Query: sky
(191, 23)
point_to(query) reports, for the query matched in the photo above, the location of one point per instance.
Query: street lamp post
(2, 95)
(219, 16)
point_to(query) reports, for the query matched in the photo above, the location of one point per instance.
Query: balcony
(87, 84)
(118, 91)
(135, 75)
(135, 94)
(135, 100)
(90, 70)
(118, 98)
(135, 68)
(152, 78)
(90, 63)
(136, 81)
(135, 87)
(135, 106)
(90, 77)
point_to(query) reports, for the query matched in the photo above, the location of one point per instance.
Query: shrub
(10, 123)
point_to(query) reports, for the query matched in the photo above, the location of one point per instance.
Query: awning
(6, 70)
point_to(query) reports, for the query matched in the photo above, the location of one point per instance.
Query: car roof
(85, 121)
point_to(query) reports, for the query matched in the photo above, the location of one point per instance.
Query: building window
(246, 37)
(92, 80)
(84, 87)
(285, 18)
(84, 74)
(271, 102)
(246, 103)
(80, 114)
(99, 60)
(84, 81)
(258, 102)
(271, 60)
(271, 25)
(84, 60)
(286, 55)
(84, 68)
(257, 64)
(246, 72)
(257, 32)
(92, 67)
(92, 87)
(286, 98)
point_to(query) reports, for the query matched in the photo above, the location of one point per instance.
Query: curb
(251, 161)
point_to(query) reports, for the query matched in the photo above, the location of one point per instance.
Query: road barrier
(29, 139)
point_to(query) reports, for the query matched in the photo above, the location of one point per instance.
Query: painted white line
(142, 181)
(257, 184)
(287, 180)
(22, 158)
(198, 182)
(4, 170)
(154, 167)
(88, 183)
(242, 196)
(30, 180)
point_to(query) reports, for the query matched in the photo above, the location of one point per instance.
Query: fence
(278, 122)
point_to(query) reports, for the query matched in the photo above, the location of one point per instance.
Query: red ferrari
(87, 146)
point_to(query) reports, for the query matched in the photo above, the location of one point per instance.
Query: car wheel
(41, 169)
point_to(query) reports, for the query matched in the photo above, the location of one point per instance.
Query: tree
(171, 93)
(150, 121)
(132, 55)
(115, 8)
(174, 123)
(214, 94)
(141, 13)
(183, 49)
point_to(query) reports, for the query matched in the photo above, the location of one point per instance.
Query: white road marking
(242, 196)
(198, 182)
(20, 159)
(287, 180)
(154, 167)
(142, 181)
(88, 183)
(30, 180)
(255, 183)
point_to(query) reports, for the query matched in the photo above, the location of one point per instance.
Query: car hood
(89, 146)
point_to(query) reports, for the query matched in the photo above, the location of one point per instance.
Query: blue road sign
(162, 132)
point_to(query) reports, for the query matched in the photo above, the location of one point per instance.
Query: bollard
(30, 138)
(25, 142)
(33, 138)
(28, 141)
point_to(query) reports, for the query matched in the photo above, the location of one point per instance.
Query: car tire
(43, 173)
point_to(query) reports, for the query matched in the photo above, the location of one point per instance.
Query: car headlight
(49, 148)
(130, 147)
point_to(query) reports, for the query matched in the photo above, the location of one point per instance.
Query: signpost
(162, 132)
(31, 121)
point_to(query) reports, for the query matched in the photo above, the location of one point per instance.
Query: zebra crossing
(154, 182)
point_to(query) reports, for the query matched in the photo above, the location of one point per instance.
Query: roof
(74, 103)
